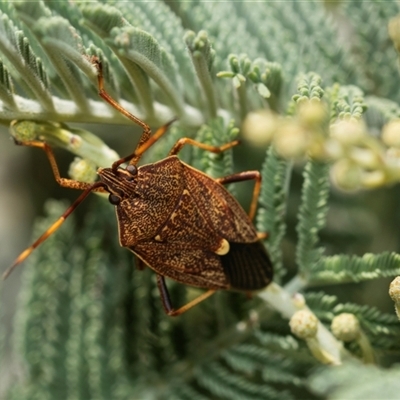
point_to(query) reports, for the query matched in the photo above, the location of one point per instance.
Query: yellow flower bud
(394, 292)
(391, 134)
(312, 113)
(346, 327)
(348, 132)
(259, 127)
(304, 324)
(291, 141)
(394, 31)
(82, 170)
(346, 175)
(373, 179)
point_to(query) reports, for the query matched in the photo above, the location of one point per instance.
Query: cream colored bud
(394, 31)
(333, 149)
(304, 324)
(393, 157)
(365, 158)
(394, 292)
(346, 175)
(82, 170)
(373, 179)
(291, 140)
(394, 289)
(391, 134)
(348, 132)
(312, 112)
(346, 327)
(259, 127)
(75, 142)
(23, 130)
(298, 300)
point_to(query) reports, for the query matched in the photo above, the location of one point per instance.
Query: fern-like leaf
(345, 268)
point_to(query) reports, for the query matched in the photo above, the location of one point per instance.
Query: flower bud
(23, 130)
(391, 134)
(346, 175)
(346, 327)
(373, 179)
(312, 113)
(348, 132)
(394, 31)
(304, 324)
(82, 170)
(394, 292)
(259, 127)
(291, 140)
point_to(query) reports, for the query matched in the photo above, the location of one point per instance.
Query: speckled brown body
(175, 218)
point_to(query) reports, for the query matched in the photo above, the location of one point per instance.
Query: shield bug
(177, 220)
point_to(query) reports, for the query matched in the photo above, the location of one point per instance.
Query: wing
(247, 266)
(221, 210)
(191, 266)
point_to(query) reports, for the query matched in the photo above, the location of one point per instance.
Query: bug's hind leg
(246, 176)
(166, 300)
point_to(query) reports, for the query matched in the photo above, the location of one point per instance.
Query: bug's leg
(105, 96)
(139, 263)
(65, 182)
(213, 149)
(262, 235)
(245, 176)
(52, 228)
(146, 140)
(143, 146)
(166, 300)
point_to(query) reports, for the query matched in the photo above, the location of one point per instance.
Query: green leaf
(272, 212)
(345, 268)
(312, 215)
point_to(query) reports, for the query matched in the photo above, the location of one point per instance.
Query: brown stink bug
(177, 220)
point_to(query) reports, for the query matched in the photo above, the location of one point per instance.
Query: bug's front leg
(64, 182)
(146, 140)
(166, 300)
(246, 176)
(213, 149)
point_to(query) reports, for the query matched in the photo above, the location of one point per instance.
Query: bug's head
(119, 183)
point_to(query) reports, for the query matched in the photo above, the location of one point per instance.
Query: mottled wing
(191, 266)
(247, 265)
(222, 212)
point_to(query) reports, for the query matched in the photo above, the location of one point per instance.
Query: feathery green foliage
(89, 325)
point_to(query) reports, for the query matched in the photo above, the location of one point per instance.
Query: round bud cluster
(23, 130)
(304, 324)
(391, 134)
(259, 127)
(346, 327)
(359, 160)
(394, 292)
(394, 289)
(82, 170)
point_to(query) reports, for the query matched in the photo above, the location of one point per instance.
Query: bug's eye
(132, 169)
(114, 199)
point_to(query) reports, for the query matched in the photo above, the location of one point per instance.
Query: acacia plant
(312, 90)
